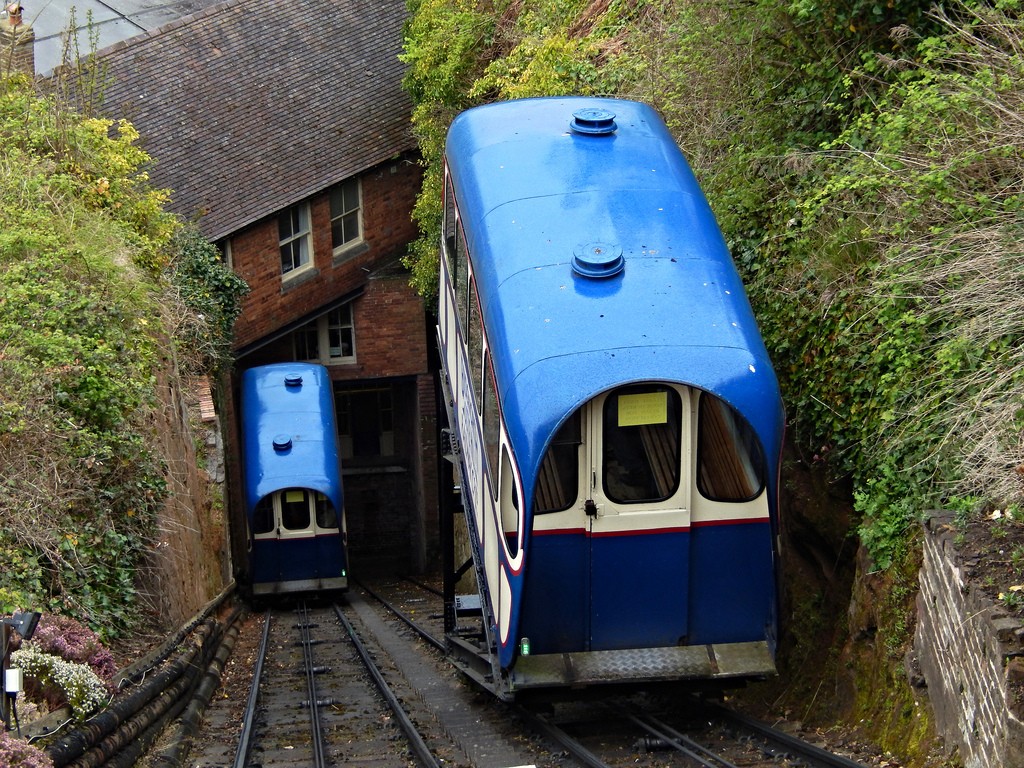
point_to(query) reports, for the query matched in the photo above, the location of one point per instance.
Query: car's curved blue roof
(532, 194)
(303, 415)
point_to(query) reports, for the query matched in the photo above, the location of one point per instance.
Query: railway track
(644, 729)
(311, 701)
(337, 685)
(687, 733)
(366, 683)
(314, 702)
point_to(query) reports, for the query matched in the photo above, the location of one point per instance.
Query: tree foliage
(863, 159)
(462, 53)
(85, 245)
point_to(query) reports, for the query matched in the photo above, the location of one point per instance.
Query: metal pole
(5, 633)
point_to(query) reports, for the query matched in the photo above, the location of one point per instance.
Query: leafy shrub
(928, 185)
(211, 296)
(78, 685)
(18, 753)
(95, 162)
(80, 476)
(23, 581)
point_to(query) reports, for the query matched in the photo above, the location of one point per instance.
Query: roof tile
(250, 106)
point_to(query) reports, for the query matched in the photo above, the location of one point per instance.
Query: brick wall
(391, 333)
(388, 195)
(967, 648)
(17, 41)
(392, 504)
(391, 329)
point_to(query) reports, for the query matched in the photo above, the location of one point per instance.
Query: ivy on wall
(859, 157)
(97, 284)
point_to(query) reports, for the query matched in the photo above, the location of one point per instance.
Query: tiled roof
(252, 105)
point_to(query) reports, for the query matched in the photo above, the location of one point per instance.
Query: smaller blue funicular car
(292, 480)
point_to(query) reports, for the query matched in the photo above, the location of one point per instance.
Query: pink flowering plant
(63, 636)
(17, 752)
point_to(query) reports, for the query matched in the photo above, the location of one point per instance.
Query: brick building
(283, 130)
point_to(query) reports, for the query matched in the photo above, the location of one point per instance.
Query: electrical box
(14, 680)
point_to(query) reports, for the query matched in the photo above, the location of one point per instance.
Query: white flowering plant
(84, 691)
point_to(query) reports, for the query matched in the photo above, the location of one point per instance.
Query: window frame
(738, 448)
(302, 235)
(346, 246)
(322, 518)
(320, 329)
(622, 446)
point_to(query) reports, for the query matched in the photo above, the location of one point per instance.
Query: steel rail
(245, 738)
(319, 760)
(581, 754)
(419, 746)
(680, 741)
(424, 587)
(438, 644)
(556, 734)
(816, 756)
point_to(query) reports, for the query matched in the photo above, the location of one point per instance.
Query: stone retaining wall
(970, 653)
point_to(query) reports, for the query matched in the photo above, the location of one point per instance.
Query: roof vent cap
(598, 260)
(594, 121)
(293, 380)
(282, 443)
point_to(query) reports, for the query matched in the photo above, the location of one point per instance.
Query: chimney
(17, 42)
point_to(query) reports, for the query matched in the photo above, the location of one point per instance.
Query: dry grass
(968, 272)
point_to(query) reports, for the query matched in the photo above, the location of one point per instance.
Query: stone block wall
(970, 653)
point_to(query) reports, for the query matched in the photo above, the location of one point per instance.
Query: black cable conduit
(187, 725)
(129, 743)
(122, 732)
(72, 745)
(134, 673)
